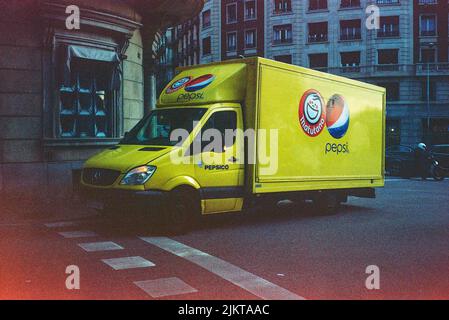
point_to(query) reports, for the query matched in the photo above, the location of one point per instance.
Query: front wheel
(183, 210)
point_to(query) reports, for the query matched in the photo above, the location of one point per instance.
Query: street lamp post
(431, 46)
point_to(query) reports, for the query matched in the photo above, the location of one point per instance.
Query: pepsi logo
(199, 83)
(337, 116)
(312, 115)
(178, 84)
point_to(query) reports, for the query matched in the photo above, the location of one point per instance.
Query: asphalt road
(283, 254)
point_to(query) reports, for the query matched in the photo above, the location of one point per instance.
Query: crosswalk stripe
(239, 277)
(128, 263)
(100, 246)
(61, 224)
(165, 287)
(77, 234)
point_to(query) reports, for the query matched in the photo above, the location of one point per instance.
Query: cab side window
(220, 121)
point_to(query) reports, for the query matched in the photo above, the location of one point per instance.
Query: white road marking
(61, 224)
(165, 287)
(239, 277)
(100, 246)
(77, 234)
(128, 263)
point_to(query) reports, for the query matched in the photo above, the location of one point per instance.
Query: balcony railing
(388, 33)
(432, 68)
(427, 2)
(357, 35)
(283, 41)
(316, 38)
(387, 1)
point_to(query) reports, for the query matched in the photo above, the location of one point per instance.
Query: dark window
(432, 92)
(250, 39)
(282, 6)
(428, 55)
(350, 61)
(393, 93)
(318, 61)
(350, 30)
(221, 121)
(350, 4)
(389, 27)
(428, 25)
(231, 13)
(318, 32)
(388, 56)
(250, 9)
(282, 34)
(206, 19)
(232, 41)
(317, 5)
(207, 46)
(87, 105)
(287, 58)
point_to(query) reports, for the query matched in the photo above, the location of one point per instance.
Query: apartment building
(242, 28)
(401, 45)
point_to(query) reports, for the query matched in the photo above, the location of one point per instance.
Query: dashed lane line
(239, 277)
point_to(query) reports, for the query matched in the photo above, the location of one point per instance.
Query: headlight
(138, 176)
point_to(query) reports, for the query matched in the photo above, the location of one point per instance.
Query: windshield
(156, 128)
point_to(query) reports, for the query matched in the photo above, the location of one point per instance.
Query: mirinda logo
(314, 116)
(190, 84)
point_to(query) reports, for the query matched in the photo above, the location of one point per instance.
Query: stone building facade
(66, 94)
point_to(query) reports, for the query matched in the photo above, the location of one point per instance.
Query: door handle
(233, 159)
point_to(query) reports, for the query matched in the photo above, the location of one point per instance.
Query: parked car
(441, 154)
(400, 160)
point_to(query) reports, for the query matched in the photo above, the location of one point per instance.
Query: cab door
(220, 169)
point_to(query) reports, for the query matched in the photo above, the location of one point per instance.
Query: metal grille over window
(87, 94)
(86, 104)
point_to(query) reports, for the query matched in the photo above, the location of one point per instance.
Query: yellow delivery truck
(227, 135)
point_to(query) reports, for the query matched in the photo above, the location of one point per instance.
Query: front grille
(100, 177)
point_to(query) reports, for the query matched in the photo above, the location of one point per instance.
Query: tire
(183, 210)
(437, 173)
(326, 203)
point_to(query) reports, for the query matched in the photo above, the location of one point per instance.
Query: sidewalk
(27, 210)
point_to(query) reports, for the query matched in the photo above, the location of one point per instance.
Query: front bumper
(119, 199)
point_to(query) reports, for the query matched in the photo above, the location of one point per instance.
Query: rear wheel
(326, 203)
(183, 210)
(437, 173)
